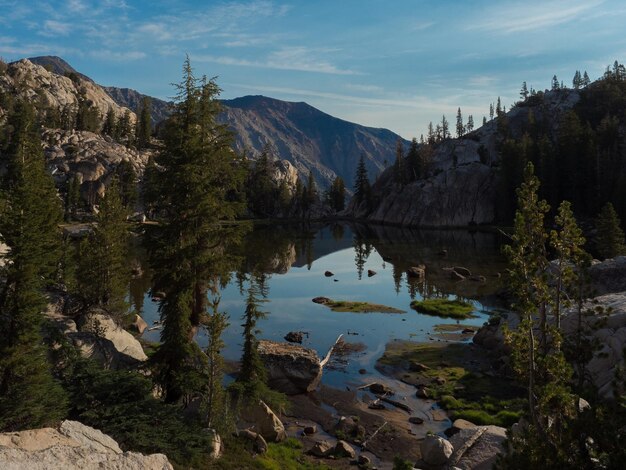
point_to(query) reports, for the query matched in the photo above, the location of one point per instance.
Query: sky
(396, 64)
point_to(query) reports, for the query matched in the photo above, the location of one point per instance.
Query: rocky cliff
(461, 185)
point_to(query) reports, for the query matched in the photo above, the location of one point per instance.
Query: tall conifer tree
(29, 395)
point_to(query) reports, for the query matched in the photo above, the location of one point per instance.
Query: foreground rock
(291, 368)
(265, 422)
(73, 446)
(477, 448)
(435, 450)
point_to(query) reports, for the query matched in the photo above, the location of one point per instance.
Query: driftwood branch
(364, 444)
(456, 456)
(324, 361)
(397, 404)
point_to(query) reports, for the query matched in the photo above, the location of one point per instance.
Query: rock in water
(436, 450)
(417, 271)
(291, 369)
(328, 274)
(294, 337)
(371, 272)
(73, 446)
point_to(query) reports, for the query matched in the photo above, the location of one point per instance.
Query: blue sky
(395, 63)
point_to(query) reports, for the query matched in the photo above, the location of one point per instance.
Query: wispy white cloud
(422, 25)
(116, 56)
(521, 17)
(52, 28)
(300, 59)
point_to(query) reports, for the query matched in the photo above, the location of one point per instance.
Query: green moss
(465, 392)
(444, 308)
(360, 307)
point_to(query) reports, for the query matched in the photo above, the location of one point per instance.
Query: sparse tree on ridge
(470, 123)
(460, 128)
(524, 92)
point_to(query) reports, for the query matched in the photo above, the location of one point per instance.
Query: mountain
(132, 99)
(309, 138)
(297, 132)
(57, 65)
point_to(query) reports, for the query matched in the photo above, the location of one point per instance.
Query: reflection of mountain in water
(276, 248)
(479, 252)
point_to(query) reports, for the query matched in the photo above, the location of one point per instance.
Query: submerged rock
(291, 369)
(294, 336)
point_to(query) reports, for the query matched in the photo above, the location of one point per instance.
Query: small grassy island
(355, 307)
(444, 308)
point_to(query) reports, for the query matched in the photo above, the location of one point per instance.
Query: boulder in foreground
(73, 446)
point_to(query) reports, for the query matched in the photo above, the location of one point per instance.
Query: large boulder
(265, 422)
(100, 338)
(477, 448)
(291, 368)
(435, 450)
(73, 446)
(606, 320)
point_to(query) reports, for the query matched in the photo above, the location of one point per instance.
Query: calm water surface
(294, 260)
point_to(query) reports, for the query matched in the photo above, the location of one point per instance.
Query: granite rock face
(73, 446)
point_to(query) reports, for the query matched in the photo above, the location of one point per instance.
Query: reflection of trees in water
(362, 251)
(337, 231)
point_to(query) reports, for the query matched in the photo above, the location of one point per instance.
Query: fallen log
(324, 361)
(397, 404)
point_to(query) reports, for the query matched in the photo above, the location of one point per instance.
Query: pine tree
(484, 120)
(610, 239)
(204, 180)
(491, 112)
(103, 273)
(586, 81)
(470, 123)
(414, 161)
(144, 123)
(498, 108)
(431, 137)
(398, 166)
(445, 128)
(555, 83)
(361, 183)
(337, 194)
(524, 92)
(29, 395)
(460, 129)
(72, 198)
(311, 191)
(215, 399)
(577, 80)
(109, 124)
(127, 184)
(528, 261)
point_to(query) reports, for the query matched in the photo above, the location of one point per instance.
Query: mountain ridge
(307, 137)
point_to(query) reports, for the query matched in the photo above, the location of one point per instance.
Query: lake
(292, 261)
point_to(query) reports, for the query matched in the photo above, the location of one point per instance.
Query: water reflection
(287, 263)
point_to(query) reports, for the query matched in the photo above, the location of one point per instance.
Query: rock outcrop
(73, 446)
(460, 185)
(477, 448)
(291, 368)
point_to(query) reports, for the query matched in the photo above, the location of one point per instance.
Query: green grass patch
(444, 308)
(465, 392)
(360, 307)
(448, 327)
(287, 455)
